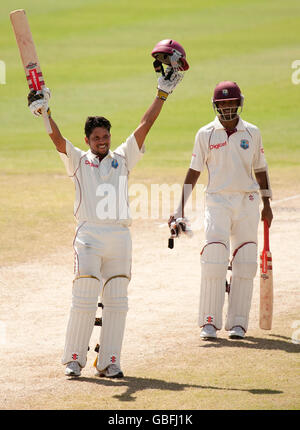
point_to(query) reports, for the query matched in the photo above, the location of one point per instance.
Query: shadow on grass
(273, 342)
(135, 385)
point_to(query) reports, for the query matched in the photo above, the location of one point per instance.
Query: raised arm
(148, 120)
(56, 137)
(166, 85)
(38, 101)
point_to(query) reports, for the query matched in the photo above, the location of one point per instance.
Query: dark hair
(95, 121)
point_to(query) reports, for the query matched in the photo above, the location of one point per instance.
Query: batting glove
(180, 225)
(166, 84)
(38, 101)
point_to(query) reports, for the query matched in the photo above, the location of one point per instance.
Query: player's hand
(171, 219)
(267, 214)
(47, 93)
(174, 60)
(38, 101)
(168, 82)
(178, 226)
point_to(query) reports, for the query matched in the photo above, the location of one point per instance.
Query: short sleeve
(71, 160)
(259, 160)
(200, 153)
(130, 151)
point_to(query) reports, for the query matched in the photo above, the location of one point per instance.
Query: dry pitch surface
(166, 364)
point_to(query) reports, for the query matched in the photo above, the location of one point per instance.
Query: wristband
(266, 193)
(162, 94)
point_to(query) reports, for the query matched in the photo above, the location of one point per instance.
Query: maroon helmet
(227, 90)
(164, 49)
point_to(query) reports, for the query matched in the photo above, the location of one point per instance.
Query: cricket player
(102, 242)
(231, 149)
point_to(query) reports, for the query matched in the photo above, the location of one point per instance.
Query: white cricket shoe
(73, 369)
(237, 332)
(208, 332)
(112, 371)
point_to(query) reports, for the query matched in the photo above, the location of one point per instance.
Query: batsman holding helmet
(102, 241)
(231, 149)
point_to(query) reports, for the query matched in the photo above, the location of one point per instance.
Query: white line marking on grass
(296, 196)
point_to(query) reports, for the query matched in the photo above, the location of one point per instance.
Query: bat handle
(171, 243)
(266, 236)
(47, 123)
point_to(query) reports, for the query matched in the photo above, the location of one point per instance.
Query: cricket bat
(266, 284)
(29, 56)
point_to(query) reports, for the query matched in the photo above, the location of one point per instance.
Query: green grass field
(95, 56)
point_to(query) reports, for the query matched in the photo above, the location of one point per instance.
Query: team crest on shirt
(114, 164)
(244, 144)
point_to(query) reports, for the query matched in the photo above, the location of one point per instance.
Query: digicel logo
(90, 163)
(218, 145)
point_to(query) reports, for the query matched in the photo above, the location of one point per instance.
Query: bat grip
(47, 122)
(266, 236)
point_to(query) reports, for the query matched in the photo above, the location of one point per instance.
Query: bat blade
(266, 284)
(28, 55)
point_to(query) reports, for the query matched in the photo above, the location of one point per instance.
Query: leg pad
(214, 263)
(244, 267)
(115, 307)
(81, 319)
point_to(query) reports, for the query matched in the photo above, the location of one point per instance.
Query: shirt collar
(240, 125)
(93, 156)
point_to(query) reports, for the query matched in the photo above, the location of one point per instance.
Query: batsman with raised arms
(102, 241)
(231, 149)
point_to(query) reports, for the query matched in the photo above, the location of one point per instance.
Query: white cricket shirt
(101, 188)
(230, 160)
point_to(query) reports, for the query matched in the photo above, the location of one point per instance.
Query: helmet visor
(228, 113)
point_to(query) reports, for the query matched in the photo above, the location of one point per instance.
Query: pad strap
(116, 276)
(86, 276)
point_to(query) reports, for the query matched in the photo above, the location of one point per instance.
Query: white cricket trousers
(102, 250)
(102, 256)
(230, 225)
